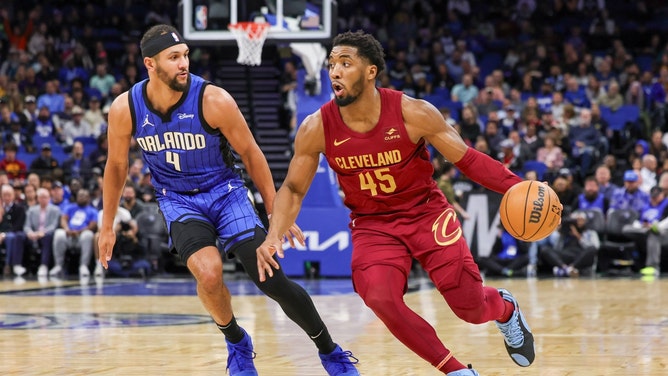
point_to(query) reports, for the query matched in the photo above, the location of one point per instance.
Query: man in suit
(13, 238)
(41, 222)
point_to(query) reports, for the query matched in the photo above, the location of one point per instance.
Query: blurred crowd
(564, 91)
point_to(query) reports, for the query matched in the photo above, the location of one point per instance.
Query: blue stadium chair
(489, 62)
(539, 167)
(618, 119)
(26, 157)
(89, 144)
(442, 91)
(437, 100)
(644, 62)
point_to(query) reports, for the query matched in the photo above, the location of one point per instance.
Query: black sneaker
(518, 337)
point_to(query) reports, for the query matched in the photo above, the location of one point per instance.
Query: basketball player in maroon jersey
(374, 139)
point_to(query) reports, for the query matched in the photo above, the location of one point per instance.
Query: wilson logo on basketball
(440, 228)
(535, 215)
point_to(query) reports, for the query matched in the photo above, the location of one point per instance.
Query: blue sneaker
(464, 372)
(518, 337)
(338, 363)
(240, 357)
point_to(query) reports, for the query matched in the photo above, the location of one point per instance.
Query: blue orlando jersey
(183, 153)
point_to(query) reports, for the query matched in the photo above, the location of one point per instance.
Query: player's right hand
(106, 245)
(266, 263)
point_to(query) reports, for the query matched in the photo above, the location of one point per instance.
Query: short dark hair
(367, 46)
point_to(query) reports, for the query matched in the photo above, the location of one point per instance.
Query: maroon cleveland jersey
(380, 171)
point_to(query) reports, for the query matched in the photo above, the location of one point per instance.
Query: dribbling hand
(266, 263)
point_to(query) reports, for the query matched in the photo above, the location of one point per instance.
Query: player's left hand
(294, 232)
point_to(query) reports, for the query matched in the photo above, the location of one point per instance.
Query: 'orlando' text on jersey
(182, 151)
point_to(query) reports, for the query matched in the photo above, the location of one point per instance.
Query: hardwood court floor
(122, 327)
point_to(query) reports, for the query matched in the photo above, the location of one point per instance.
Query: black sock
(323, 341)
(232, 331)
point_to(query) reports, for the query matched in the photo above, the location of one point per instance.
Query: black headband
(160, 42)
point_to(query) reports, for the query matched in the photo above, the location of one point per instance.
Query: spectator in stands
(629, 196)
(30, 84)
(576, 248)
(586, 143)
(635, 96)
(465, 91)
(493, 138)
(58, 196)
(551, 155)
(94, 116)
(615, 175)
(470, 124)
(657, 148)
(19, 135)
(45, 163)
(650, 230)
(531, 140)
(510, 120)
(592, 197)
(78, 223)
(508, 257)
(29, 112)
(77, 166)
(575, 94)
(613, 98)
(130, 202)
(567, 195)
(648, 172)
(52, 98)
(27, 194)
(41, 222)
(102, 80)
(44, 125)
(442, 78)
(98, 157)
(16, 169)
(14, 216)
(77, 127)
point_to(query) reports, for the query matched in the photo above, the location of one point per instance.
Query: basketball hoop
(250, 38)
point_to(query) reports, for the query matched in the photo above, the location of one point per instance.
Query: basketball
(530, 211)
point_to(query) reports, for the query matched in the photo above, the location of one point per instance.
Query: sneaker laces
(512, 331)
(341, 357)
(241, 352)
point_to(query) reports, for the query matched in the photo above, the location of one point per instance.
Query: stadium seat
(537, 166)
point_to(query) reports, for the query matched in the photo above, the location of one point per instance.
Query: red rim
(248, 26)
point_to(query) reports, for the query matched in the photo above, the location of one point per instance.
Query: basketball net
(250, 38)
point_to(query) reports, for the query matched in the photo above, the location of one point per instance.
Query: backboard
(206, 21)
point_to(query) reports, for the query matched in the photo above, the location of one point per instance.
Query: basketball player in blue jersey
(186, 128)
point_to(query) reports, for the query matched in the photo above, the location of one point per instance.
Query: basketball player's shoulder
(120, 105)
(217, 97)
(312, 121)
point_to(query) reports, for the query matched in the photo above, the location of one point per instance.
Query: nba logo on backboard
(201, 17)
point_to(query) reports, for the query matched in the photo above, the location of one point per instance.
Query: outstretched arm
(115, 172)
(221, 112)
(423, 120)
(309, 143)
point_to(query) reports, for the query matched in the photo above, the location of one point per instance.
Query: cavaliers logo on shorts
(445, 228)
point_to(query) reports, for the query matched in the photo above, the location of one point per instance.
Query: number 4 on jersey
(174, 159)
